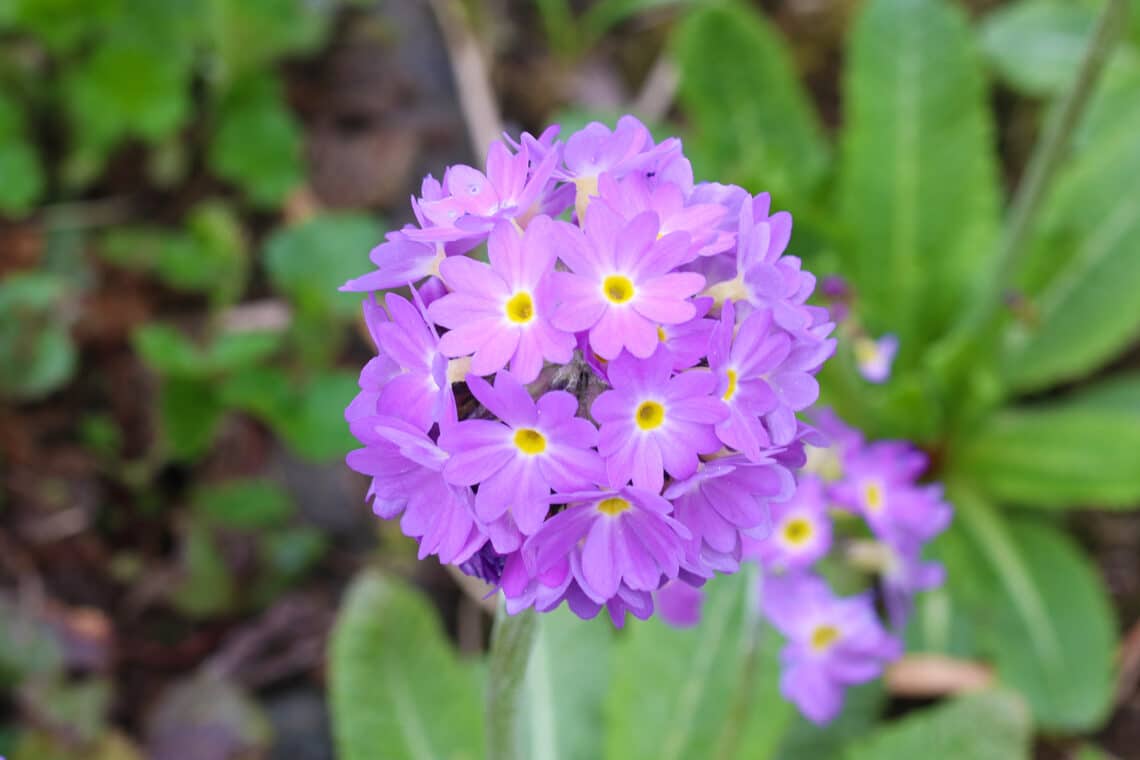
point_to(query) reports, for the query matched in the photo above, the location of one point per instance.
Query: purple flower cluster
(834, 642)
(590, 388)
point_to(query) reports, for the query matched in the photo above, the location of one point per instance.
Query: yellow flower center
(649, 415)
(530, 441)
(617, 288)
(661, 336)
(823, 636)
(873, 496)
(613, 506)
(520, 308)
(797, 531)
(731, 390)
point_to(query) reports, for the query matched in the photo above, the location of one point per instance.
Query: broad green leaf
(566, 682)
(752, 122)
(1120, 393)
(19, 165)
(1037, 45)
(237, 350)
(309, 261)
(206, 586)
(1082, 276)
(191, 412)
(673, 688)
(988, 726)
(165, 349)
(1043, 615)
(862, 706)
(257, 142)
(248, 35)
(243, 504)
(1075, 454)
(396, 688)
(313, 425)
(918, 187)
(37, 354)
(62, 24)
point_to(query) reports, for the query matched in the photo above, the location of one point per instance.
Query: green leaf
(395, 682)
(1037, 46)
(1059, 455)
(862, 706)
(239, 350)
(989, 726)
(314, 425)
(191, 412)
(243, 504)
(165, 349)
(674, 688)
(19, 164)
(918, 187)
(257, 142)
(309, 261)
(1083, 275)
(566, 682)
(248, 35)
(62, 24)
(37, 355)
(1040, 612)
(206, 587)
(752, 121)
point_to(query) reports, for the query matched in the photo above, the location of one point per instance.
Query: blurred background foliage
(185, 183)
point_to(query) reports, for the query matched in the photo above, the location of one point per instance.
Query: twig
(472, 78)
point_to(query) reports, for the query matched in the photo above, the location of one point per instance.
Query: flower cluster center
(520, 308)
(530, 441)
(618, 288)
(614, 505)
(797, 531)
(731, 390)
(649, 415)
(823, 637)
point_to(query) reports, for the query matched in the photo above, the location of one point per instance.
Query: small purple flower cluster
(592, 388)
(835, 642)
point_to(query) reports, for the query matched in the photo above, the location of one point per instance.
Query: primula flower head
(587, 389)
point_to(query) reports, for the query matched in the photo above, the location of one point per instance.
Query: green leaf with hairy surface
(1082, 277)
(1072, 454)
(396, 686)
(918, 188)
(309, 261)
(673, 688)
(752, 121)
(257, 142)
(988, 726)
(1040, 612)
(243, 504)
(567, 678)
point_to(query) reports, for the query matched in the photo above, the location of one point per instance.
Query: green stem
(512, 639)
(978, 324)
(742, 700)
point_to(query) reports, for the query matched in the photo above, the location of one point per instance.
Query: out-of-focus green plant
(37, 354)
(910, 214)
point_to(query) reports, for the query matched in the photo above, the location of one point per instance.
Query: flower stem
(512, 639)
(978, 324)
(742, 700)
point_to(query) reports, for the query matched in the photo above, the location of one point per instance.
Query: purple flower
(499, 313)
(398, 261)
(721, 501)
(612, 537)
(742, 363)
(379, 370)
(879, 484)
(415, 393)
(688, 342)
(875, 357)
(621, 284)
(516, 462)
(405, 466)
(634, 194)
(902, 574)
(801, 529)
(833, 642)
(679, 604)
(651, 421)
(472, 202)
